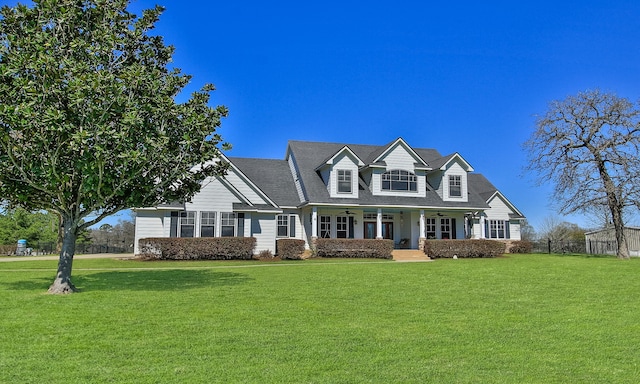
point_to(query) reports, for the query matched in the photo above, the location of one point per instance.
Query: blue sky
(464, 76)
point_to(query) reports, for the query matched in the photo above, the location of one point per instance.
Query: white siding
(346, 163)
(500, 211)
(244, 188)
(305, 219)
(149, 224)
(415, 228)
(214, 196)
(399, 158)
(454, 169)
(514, 229)
(476, 229)
(263, 228)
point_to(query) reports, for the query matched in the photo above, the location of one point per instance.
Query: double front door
(370, 230)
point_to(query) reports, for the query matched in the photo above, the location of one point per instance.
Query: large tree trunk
(60, 237)
(614, 203)
(62, 283)
(618, 224)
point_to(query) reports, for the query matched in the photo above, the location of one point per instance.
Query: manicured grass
(517, 319)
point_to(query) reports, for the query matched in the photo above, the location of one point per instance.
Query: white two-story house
(333, 190)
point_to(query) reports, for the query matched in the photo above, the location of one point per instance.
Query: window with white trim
(344, 181)
(455, 186)
(207, 224)
(325, 227)
(399, 180)
(187, 224)
(227, 224)
(374, 216)
(497, 229)
(342, 227)
(430, 227)
(286, 226)
(445, 228)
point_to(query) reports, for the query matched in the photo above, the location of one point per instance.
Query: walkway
(409, 255)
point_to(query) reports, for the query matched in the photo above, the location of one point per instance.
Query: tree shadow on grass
(139, 280)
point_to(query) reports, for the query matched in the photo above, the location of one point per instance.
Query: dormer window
(344, 181)
(455, 186)
(399, 180)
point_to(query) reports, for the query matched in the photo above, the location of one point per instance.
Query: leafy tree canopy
(35, 227)
(88, 120)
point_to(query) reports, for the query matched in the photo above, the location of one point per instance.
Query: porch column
(422, 237)
(379, 224)
(483, 235)
(314, 222)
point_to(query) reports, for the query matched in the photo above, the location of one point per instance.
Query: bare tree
(599, 216)
(588, 146)
(527, 232)
(120, 236)
(552, 228)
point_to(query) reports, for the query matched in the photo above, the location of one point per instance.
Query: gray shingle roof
(273, 177)
(483, 188)
(309, 155)
(480, 185)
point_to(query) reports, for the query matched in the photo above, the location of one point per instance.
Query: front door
(387, 230)
(370, 230)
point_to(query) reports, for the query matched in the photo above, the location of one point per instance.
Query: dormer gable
(397, 170)
(498, 201)
(340, 173)
(449, 177)
(344, 151)
(445, 162)
(396, 150)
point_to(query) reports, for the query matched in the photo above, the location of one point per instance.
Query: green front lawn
(517, 319)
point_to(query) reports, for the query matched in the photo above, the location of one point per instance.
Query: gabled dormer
(449, 178)
(397, 170)
(340, 173)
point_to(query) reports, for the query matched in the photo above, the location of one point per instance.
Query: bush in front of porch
(290, 249)
(355, 248)
(197, 248)
(463, 248)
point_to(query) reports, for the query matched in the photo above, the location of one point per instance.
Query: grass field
(516, 319)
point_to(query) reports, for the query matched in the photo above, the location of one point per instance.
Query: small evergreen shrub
(521, 246)
(291, 249)
(463, 248)
(197, 248)
(357, 248)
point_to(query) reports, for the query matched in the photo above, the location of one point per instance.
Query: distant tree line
(41, 230)
(16, 224)
(119, 237)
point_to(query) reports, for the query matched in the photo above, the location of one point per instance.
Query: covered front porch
(406, 226)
